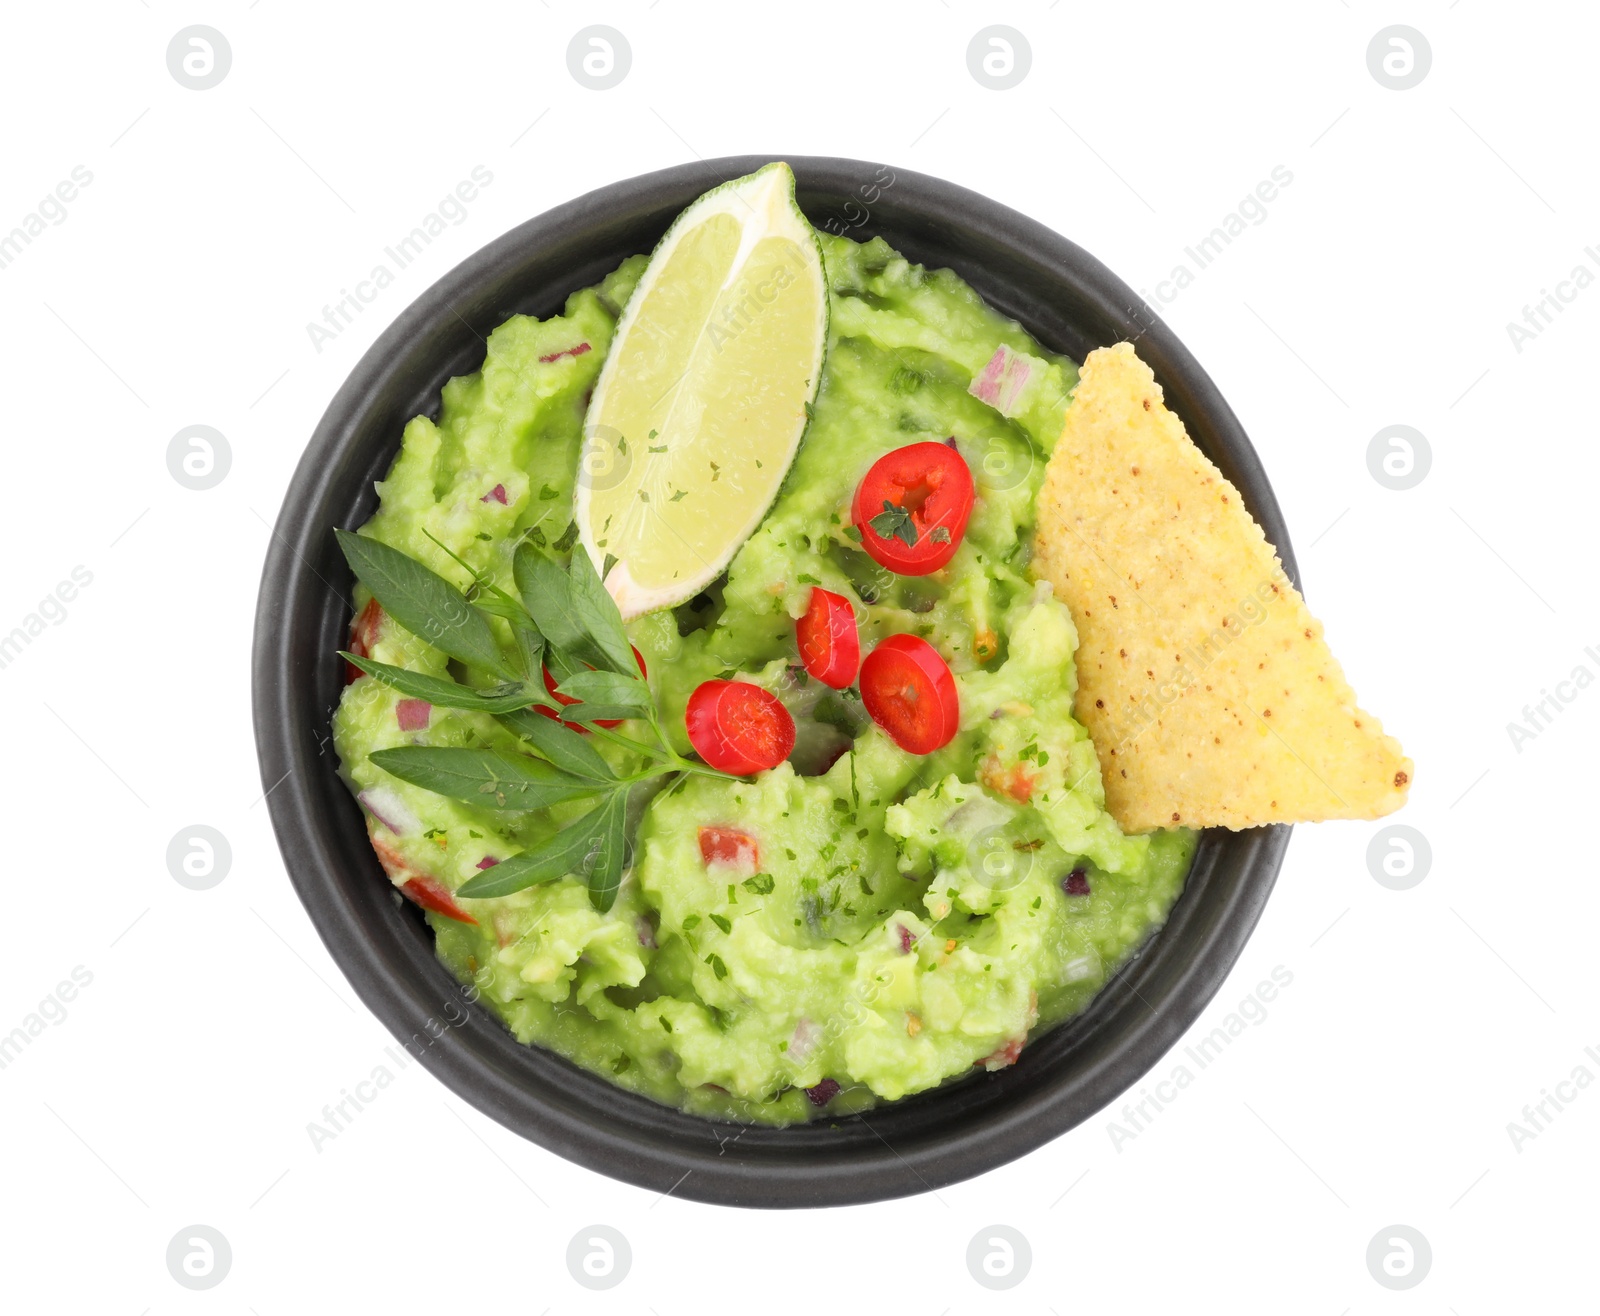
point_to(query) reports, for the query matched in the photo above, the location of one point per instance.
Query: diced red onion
(907, 941)
(823, 1093)
(488, 861)
(579, 350)
(1075, 883)
(498, 493)
(389, 809)
(804, 1039)
(413, 714)
(1001, 381)
(646, 933)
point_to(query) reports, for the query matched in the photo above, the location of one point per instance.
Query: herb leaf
(530, 649)
(497, 603)
(443, 692)
(606, 874)
(571, 850)
(587, 712)
(423, 601)
(597, 611)
(485, 593)
(484, 777)
(563, 665)
(895, 523)
(561, 745)
(547, 593)
(607, 688)
(504, 606)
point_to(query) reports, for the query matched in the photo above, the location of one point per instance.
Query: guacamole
(859, 923)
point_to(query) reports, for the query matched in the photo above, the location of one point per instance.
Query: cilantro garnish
(895, 523)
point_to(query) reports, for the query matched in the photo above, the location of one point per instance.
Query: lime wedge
(701, 405)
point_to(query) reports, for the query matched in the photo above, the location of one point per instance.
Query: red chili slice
(363, 638)
(738, 727)
(426, 891)
(830, 646)
(911, 508)
(550, 685)
(729, 847)
(434, 895)
(909, 692)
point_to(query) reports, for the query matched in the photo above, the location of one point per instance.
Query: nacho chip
(1205, 683)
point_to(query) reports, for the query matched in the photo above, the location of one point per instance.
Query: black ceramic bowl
(1072, 304)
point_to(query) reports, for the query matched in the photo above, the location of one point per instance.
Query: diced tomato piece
(920, 497)
(907, 689)
(830, 644)
(550, 685)
(738, 727)
(1017, 782)
(1003, 1055)
(730, 847)
(363, 638)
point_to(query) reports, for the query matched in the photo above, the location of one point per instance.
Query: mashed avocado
(859, 923)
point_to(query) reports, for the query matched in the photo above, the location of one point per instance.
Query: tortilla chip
(1205, 683)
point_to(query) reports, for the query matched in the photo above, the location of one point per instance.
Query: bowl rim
(601, 1139)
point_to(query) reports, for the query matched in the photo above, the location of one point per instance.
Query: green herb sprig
(563, 618)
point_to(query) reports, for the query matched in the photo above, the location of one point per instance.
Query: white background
(1378, 1088)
